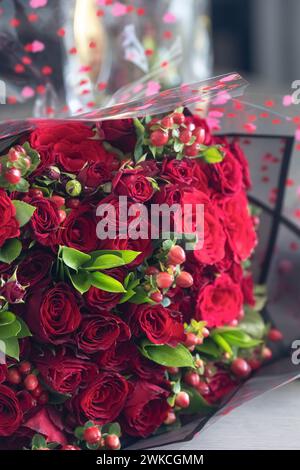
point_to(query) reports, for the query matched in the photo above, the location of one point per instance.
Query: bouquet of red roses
(127, 301)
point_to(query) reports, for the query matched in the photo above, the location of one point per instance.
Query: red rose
(248, 289)
(79, 230)
(156, 322)
(220, 302)
(103, 400)
(239, 226)
(177, 171)
(220, 385)
(45, 221)
(145, 410)
(100, 332)
(95, 174)
(133, 183)
(65, 373)
(52, 315)
(72, 145)
(10, 412)
(200, 180)
(9, 227)
(35, 268)
(120, 133)
(47, 159)
(3, 371)
(117, 358)
(225, 178)
(241, 157)
(147, 370)
(101, 300)
(213, 236)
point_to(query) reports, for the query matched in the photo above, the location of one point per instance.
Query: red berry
(27, 162)
(170, 419)
(159, 138)
(178, 118)
(43, 398)
(112, 442)
(184, 280)
(156, 297)
(164, 280)
(73, 203)
(240, 367)
(267, 353)
(192, 150)
(13, 176)
(254, 364)
(13, 155)
(59, 201)
(192, 379)
(36, 193)
(62, 215)
(203, 388)
(190, 340)
(173, 370)
(36, 393)
(92, 435)
(25, 367)
(152, 271)
(205, 332)
(14, 376)
(199, 133)
(69, 447)
(275, 335)
(176, 255)
(31, 382)
(185, 136)
(182, 400)
(167, 122)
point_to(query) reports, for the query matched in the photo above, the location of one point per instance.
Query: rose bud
(13, 292)
(53, 173)
(73, 188)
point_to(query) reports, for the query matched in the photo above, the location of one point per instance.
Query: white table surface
(271, 421)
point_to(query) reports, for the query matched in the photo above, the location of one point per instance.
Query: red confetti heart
(294, 246)
(91, 104)
(41, 89)
(14, 22)
(19, 68)
(47, 70)
(101, 86)
(289, 182)
(73, 50)
(61, 32)
(149, 52)
(32, 17)
(269, 103)
(92, 45)
(165, 63)
(297, 213)
(130, 8)
(167, 34)
(11, 100)
(140, 11)
(83, 82)
(26, 60)
(100, 13)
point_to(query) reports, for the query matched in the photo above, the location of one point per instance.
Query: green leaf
(210, 348)
(11, 330)
(222, 343)
(24, 212)
(38, 442)
(197, 403)
(140, 297)
(12, 348)
(24, 332)
(10, 250)
(253, 324)
(6, 318)
(104, 262)
(107, 283)
(114, 428)
(79, 432)
(34, 157)
(74, 258)
(140, 132)
(81, 281)
(22, 186)
(167, 356)
(212, 155)
(127, 255)
(235, 337)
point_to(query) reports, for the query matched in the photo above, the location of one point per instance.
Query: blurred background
(62, 57)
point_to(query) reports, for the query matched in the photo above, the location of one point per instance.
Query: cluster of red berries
(17, 159)
(189, 135)
(166, 279)
(93, 436)
(22, 376)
